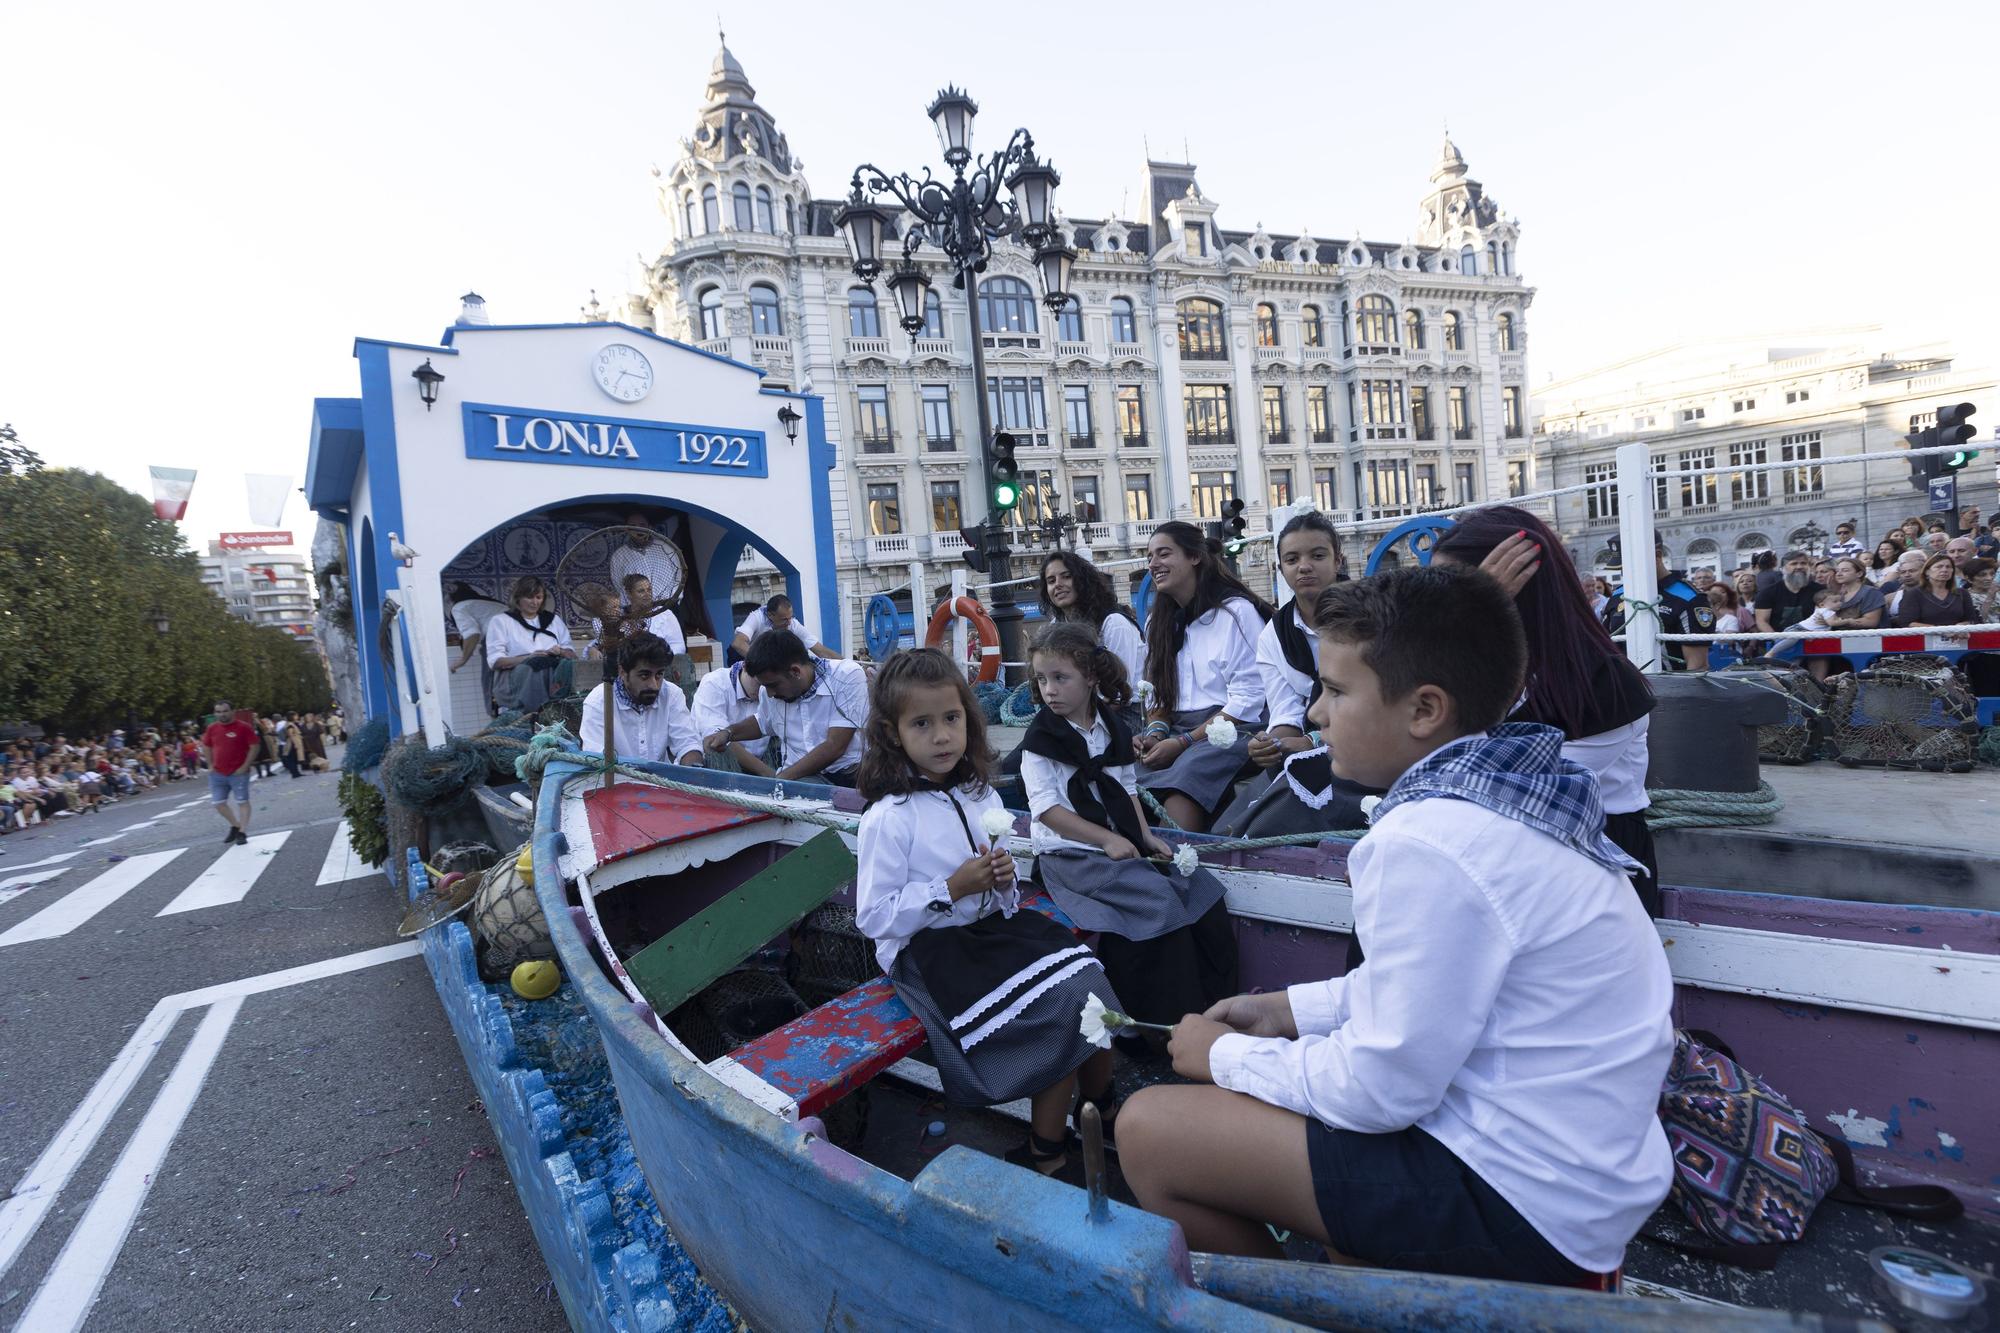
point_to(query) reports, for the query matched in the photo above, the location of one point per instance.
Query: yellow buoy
(524, 865)
(536, 980)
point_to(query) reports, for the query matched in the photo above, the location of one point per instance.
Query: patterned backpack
(1749, 1170)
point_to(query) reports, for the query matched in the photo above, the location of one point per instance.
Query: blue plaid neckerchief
(1516, 770)
(625, 700)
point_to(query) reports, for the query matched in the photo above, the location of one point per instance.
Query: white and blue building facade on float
(540, 434)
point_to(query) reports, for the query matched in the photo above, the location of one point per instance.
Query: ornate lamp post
(1815, 537)
(963, 216)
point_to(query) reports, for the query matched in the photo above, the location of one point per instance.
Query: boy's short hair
(1454, 628)
(775, 650)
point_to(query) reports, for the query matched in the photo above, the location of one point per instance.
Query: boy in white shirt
(1480, 1096)
(816, 710)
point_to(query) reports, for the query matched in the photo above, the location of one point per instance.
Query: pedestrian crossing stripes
(80, 905)
(230, 877)
(12, 887)
(341, 863)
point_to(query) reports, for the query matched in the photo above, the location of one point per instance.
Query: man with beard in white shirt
(651, 718)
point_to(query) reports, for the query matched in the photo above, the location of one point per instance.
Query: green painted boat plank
(675, 967)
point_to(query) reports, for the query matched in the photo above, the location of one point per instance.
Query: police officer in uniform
(1682, 611)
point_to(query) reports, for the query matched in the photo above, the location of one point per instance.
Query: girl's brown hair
(885, 769)
(1078, 644)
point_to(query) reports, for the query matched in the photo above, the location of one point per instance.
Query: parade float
(723, 1113)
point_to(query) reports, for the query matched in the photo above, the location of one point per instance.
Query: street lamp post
(963, 217)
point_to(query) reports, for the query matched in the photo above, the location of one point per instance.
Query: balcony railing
(1318, 353)
(948, 543)
(1198, 440)
(776, 347)
(1072, 349)
(1027, 342)
(1087, 440)
(1324, 437)
(1461, 432)
(1128, 350)
(1396, 431)
(1270, 353)
(1097, 533)
(716, 346)
(1132, 441)
(931, 346)
(1277, 437)
(1204, 353)
(940, 444)
(896, 546)
(868, 347)
(877, 444)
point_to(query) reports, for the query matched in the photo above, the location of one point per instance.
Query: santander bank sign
(252, 541)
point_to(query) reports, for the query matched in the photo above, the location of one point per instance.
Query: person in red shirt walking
(227, 745)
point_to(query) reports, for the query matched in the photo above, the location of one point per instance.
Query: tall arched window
(1468, 262)
(1346, 328)
(1493, 256)
(933, 317)
(1504, 328)
(791, 219)
(1124, 328)
(1413, 330)
(1204, 330)
(863, 319)
(766, 217)
(1311, 328)
(1267, 325)
(1069, 323)
(1375, 320)
(766, 318)
(740, 193)
(1454, 336)
(687, 202)
(711, 312)
(1007, 305)
(711, 218)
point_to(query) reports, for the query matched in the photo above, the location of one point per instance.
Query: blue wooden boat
(655, 898)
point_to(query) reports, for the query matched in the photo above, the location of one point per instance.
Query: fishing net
(507, 918)
(830, 956)
(1989, 746)
(1799, 737)
(1908, 711)
(590, 582)
(437, 780)
(740, 1007)
(991, 694)
(366, 746)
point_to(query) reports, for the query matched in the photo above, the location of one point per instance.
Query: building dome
(732, 124)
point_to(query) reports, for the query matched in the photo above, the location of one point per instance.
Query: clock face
(623, 371)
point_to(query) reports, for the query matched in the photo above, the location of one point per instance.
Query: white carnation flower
(1222, 733)
(1368, 804)
(1145, 690)
(997, 823)
(1185, 859)
(1092, 1025)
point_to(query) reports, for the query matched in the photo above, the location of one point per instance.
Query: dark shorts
(1404, 1200)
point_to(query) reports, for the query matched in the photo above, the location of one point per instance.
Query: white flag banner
(268, 492)
(171, 488)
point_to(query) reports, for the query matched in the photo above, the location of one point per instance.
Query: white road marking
(36, 1193)
(68, 912)
(14, 886)
(230, 878)
(99, 842)
(49, 860)
(71, 1285)
(341, 863)
(22, 1212)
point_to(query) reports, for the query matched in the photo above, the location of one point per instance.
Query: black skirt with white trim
(1001, 1001)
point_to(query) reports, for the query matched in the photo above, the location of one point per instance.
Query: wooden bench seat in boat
(821, 1056)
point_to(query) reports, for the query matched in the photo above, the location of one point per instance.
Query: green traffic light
(1005, 496)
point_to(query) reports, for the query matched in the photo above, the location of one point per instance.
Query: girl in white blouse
(998, 990)
(528, 647)
(1073, 589)
(1164, 935)
(1201, 661)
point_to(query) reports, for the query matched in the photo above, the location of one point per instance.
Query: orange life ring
(982, 625)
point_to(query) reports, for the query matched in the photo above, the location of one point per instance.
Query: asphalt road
(189, 1142)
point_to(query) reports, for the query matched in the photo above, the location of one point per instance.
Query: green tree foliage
(86, 565)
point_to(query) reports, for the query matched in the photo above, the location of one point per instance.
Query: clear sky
(202, 204)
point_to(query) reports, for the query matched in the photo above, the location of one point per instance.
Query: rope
(1018, 708)
(1683, 808)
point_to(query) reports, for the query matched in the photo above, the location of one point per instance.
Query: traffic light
(1003, 482)
(1954, 428)
(1929, 467)
(1229, 528)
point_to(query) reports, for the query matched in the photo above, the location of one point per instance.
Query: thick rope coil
(1680, 808)
(1018, 709)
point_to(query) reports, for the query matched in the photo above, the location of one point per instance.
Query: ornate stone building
(1197, 362)
(1714, 409)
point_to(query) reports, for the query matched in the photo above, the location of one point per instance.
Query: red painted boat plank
(820, 1057)
(631, 817)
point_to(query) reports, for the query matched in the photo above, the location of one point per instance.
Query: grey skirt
(1203, 773)
(1137, 899)
(1267, 807)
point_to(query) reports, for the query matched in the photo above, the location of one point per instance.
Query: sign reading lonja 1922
(526, 434)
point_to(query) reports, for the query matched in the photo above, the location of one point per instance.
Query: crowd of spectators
(57, 777)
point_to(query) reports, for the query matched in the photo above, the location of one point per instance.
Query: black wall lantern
(428, 378)
(790, 419)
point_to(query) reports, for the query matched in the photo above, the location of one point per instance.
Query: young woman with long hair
(1075, 591)
(1298, 792)
(1201, 661)
(1579, 681)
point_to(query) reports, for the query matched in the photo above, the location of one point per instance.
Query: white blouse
(1122, 637)
(1286, 689)
(1047, 784)
(909, 847)
(508, 637)
(1217, 666)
